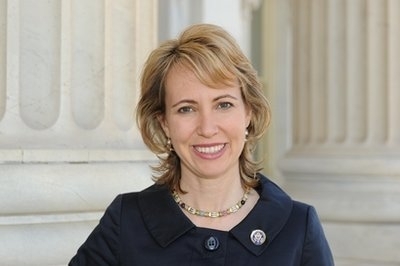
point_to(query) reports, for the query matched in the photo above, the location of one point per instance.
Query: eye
(185, 109)
(225, 105)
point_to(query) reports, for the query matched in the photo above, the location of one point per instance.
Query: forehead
(182, 76)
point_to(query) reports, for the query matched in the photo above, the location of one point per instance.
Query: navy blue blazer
(148, 228)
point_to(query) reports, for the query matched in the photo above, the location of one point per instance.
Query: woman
(201, 111)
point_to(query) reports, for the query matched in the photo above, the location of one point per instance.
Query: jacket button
(211, 243)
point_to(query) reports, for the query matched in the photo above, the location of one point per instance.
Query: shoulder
(271, 192)
(130, 210)
(148, 195)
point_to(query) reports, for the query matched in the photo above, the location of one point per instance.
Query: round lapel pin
(258, 237)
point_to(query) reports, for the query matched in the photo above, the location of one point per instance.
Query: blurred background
(69, 73)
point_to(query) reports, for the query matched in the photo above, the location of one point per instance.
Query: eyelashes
(225, 105)
(185, 109)
(219, 106)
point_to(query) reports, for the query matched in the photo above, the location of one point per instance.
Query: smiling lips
(209, 149)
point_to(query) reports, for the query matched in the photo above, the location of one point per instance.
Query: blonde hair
(215, 58)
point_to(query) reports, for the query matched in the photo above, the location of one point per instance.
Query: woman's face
(206, 125)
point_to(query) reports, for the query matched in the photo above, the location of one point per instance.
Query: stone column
(345, 100)
(68, 141)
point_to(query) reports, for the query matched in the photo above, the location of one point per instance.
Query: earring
(169, 145)
(246, 134)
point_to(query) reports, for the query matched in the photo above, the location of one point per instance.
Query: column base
(357, 199)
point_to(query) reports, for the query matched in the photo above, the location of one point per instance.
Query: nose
(207, 125)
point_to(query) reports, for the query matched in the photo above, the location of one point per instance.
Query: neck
(214, 194)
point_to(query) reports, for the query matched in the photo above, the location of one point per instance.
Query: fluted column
(68, 142)
(3, 56)
(345, 151)
(393, 14)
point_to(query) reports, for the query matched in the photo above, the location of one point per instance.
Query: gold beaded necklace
(211, 214)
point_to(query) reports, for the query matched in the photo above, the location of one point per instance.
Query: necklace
(211, 214)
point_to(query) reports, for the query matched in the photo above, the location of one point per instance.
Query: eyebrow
(225, 96)
(214, 100)
(184, 101)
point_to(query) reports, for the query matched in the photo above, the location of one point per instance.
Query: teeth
(212, 149)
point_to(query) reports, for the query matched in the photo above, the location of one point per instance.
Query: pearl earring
(169, 145)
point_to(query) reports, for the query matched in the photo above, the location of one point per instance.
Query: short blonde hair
(215, 58)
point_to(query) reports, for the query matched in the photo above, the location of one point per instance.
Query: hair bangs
(211, 69)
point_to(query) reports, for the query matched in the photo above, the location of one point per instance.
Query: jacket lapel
(269, 215)
(162, 216)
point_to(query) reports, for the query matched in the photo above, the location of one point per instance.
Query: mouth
(209, 149)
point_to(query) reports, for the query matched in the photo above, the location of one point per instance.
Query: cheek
(239, 121)
(179, 129)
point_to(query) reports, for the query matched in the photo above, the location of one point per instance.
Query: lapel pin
(258, 237)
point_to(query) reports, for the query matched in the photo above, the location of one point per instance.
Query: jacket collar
(166, 222)
(162, 215)
(270, 214)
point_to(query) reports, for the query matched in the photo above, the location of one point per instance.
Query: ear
(164, 124)
(248, 116)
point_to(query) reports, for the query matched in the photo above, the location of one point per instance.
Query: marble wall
(337, 93)
(68, 142)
